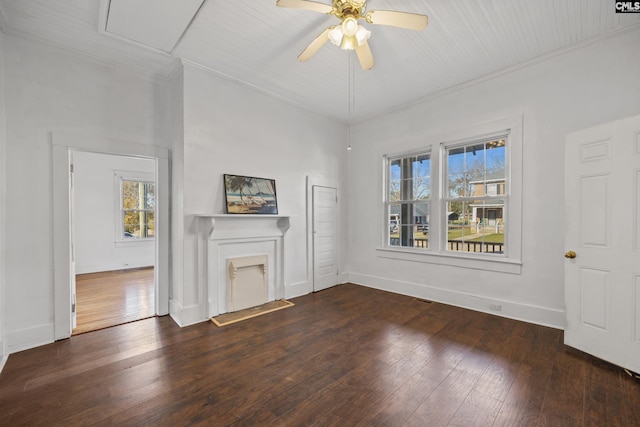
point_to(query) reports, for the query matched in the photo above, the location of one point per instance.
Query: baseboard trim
(24, 339)
(113, 267)
(527, 313)
(175, 311)
(3, 362)
(4, 354)
(192, 314)
(298, 289)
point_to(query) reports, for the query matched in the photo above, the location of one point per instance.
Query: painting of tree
(250, 195)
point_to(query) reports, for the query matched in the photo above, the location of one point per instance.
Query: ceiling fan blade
(365, 56)
(305, 4)
(315, 45)
(411, 21)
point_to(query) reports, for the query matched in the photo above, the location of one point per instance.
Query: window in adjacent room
(136, 213)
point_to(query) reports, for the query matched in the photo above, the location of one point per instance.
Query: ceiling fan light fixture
(362, 35)
(349, 26)
(336, 35)
(349, 42)
(349, 35)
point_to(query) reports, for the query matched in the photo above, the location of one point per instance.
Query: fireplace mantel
(225, 236)
(231, 225)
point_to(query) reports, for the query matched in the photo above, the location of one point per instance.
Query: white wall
(229, 128)
(578, 89)
(95, 216)
(3, 169)
(52, 90)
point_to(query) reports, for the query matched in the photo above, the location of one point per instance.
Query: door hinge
(71, 168)
(73, 306)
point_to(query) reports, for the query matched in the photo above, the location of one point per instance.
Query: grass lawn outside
(490, 238)
(456, 233)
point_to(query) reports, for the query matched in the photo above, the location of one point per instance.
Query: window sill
(477, 262)
(134, 242)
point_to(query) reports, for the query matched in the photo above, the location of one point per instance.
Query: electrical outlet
(495, 307)
(125, 265)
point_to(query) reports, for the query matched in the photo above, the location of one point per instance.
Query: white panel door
(602, 238)
(325, 228)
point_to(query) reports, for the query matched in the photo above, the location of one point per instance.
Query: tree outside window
(138, 209)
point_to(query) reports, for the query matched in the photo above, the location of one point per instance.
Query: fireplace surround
(228, 239)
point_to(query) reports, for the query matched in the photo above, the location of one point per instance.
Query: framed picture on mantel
(250, 195)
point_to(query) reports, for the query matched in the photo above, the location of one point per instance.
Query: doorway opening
(113, 206)
(64, 147)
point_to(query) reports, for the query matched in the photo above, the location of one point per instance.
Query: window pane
(151, 226)
(471, 168)
(394, 179)
(394, 190)
(131, 222)
(421, 231)
(476, 226)
(150, 199)
(409, 225)
(421, 170)
(130, 195)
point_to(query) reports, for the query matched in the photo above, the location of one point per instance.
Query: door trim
(62, 145)
(313, 182)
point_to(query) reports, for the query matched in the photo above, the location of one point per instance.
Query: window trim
(511, 261)
(119, 177)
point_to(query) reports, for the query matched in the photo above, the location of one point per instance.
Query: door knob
(570, 255)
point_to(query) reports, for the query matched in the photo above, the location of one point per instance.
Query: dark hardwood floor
(345, 356)
(112, 298)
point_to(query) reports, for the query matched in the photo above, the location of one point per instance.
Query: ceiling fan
(349, 34)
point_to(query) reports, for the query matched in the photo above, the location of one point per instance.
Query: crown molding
(176, 69)
(243, 83)
(150, 74)
(593, 41)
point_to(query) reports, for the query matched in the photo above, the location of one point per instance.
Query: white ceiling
(257, 43)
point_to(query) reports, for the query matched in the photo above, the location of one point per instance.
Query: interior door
(602, 237)
(325, 227)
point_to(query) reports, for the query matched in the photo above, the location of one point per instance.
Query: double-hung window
(408, 199)
(475, 194)
(136, 207)
(457, 199)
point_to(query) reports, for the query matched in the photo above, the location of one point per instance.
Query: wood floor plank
(110, 298)
(346, 356)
